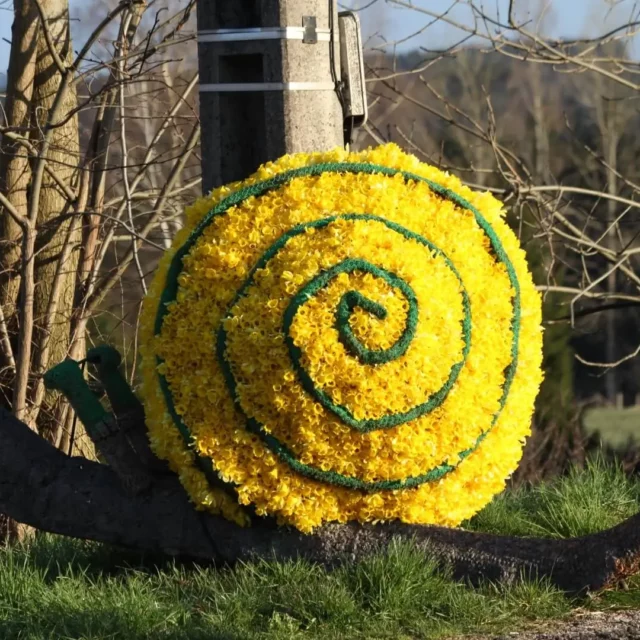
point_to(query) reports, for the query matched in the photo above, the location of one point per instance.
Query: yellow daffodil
(342, 336)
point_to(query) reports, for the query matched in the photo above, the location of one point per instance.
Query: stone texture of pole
(268, 75)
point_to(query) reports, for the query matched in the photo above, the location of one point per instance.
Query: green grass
(614, 426)
(64, 589)
(582, 502)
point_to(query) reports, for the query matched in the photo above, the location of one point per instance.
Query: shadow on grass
(97, 593)
(58, 555)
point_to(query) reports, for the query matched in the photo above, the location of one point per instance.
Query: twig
(125, 160)
(5, 341)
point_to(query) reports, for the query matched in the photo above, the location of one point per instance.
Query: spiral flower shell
(342, 337)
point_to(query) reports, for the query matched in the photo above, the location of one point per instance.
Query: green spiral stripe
(342, 316)
(169, 294)
(349, 302)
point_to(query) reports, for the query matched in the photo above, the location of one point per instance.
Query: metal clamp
(310, 33)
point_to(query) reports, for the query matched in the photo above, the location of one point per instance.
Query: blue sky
(562, 18)
(383, 21)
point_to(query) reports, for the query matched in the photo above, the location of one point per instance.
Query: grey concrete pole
(268, 76)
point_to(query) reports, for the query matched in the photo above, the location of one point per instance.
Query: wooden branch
(95, 34)
(97, 289)
(53, 51)
(5, 341)
(21, 220)
(94, 176)
(121, 74)
(27, 288)
(29, 236)
(42, 487)
(556, 53)
(147, 195)
(64, 89)
(110, 279)
(41, 356)
(33, 152)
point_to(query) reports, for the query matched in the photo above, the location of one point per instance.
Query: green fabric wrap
(68, 378)
(107, 361)
(349, 301)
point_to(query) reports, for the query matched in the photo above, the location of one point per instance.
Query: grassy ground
(615, 426)
(63, 589)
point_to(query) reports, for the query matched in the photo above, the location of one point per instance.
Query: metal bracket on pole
(354, 89)
(310, 35)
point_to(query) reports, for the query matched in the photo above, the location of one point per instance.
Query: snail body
(342, 336)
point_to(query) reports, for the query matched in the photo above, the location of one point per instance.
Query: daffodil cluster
(342, 336)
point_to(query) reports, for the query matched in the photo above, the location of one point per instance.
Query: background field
(614, 426)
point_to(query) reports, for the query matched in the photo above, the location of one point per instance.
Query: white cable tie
(260, 33)
(267, 86)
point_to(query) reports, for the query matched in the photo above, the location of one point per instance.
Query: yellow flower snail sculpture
(342, 336)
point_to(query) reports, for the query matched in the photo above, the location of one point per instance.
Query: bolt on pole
(270, 83)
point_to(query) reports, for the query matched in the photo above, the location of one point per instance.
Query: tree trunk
(83, 499)
(57, 228)
(15, 176)
(34, 82)
(15, 170)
